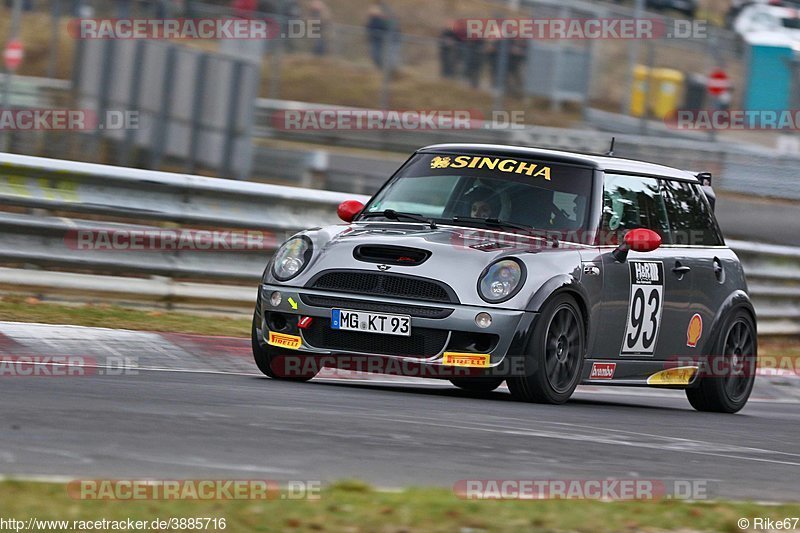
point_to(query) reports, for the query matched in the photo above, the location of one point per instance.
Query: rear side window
(690, 218)
(631, 202)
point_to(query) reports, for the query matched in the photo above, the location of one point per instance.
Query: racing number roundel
(644, 308)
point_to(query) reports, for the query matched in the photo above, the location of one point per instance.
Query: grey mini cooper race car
(544, 269)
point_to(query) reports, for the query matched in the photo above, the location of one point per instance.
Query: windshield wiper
(496, 222)
(391, 214)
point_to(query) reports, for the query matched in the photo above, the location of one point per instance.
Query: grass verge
(25, 309)
(355, 507)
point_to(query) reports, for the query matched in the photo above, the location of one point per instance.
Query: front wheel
(554, 356)
(726, 386)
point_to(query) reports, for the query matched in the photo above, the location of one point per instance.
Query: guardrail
(737, 166)
(773, 275)
(48, 202)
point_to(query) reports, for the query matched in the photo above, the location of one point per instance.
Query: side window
(631, 202)
(690, 217)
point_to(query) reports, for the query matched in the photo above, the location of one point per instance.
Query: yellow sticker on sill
(673, 376)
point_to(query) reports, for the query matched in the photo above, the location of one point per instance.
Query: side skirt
(639, 373)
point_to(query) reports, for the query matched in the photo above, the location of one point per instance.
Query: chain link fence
(588, 72)
(346, 66)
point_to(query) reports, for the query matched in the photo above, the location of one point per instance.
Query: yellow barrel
(661, 87)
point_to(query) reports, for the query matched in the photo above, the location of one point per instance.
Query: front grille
(423, 342)
(377, 307)
(378, 283)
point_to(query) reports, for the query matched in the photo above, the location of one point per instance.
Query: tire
(477, 384)
(729, 393)
(265, 355)
(555, 354)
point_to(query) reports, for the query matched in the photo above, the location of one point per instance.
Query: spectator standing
(393, 36)
(449, 51)
(318, 11)
(377, 30)
(517, 55)
(474, 51)
(290, 12)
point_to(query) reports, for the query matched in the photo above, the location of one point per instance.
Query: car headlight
(291, 258)
(501, 280)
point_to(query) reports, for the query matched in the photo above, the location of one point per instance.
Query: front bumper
(436, 327)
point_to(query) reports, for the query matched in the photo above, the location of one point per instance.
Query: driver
(483, 202)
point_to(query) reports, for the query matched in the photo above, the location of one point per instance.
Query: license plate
(371, 322)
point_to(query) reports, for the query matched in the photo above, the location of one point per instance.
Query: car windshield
(492, 189)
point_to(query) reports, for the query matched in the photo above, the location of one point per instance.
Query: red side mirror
(638, 240)
(642, 240)
(348, 210)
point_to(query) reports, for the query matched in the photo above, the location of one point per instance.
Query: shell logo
(694, 331)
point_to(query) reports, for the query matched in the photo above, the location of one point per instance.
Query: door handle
(719, 271)
(681, 270)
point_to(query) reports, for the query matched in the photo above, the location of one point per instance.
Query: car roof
(598, 162)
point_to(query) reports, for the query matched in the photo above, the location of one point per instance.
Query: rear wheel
(477, 384)
(727, 386)
(554, 356)
(269, 358)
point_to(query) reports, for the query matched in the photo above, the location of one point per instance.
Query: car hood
(458, 255)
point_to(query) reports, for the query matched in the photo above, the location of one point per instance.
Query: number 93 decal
(644, 308)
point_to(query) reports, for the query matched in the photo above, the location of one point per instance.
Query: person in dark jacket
(377, 32)
(449, 51)
(474, 52)
(319, 11)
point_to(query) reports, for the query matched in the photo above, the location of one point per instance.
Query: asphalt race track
(197, 408)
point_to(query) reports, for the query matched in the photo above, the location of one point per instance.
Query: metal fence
(47, 202)
(589, 72)
(737, 167)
